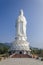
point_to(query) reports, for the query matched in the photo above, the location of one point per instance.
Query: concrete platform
(21, 61)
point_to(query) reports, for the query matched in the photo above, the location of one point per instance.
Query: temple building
(20, 44)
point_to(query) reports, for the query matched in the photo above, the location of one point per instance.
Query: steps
(20, 56)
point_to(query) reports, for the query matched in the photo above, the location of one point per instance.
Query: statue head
(21, 12)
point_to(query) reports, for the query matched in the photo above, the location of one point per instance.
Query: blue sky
(33, 11)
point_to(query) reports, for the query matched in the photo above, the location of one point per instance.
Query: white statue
(21, 25)
(20, 42)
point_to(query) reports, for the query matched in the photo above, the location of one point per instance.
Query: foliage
(37, 51)
(3, 48)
